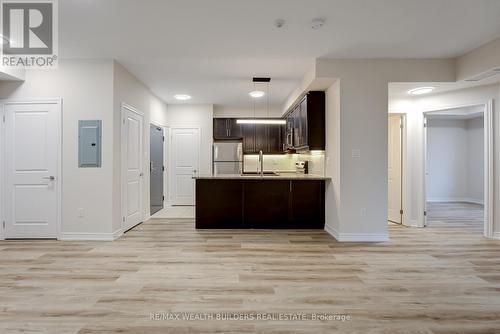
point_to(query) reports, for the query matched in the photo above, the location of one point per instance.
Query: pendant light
(257, 94)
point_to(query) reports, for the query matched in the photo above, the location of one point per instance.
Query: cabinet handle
(290, 186)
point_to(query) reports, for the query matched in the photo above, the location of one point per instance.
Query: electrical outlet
(81, 213)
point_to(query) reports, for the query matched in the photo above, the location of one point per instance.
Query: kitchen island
(277, 201)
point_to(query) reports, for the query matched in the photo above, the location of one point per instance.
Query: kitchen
(268, 173)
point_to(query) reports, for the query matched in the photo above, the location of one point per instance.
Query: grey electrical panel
(89, 143)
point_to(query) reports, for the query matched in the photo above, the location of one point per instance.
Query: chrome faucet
(261, 160)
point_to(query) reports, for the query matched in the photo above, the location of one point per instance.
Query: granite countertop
(279, 176)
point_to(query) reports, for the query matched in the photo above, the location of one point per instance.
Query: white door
(32, 172)
(185, 161)
(394, 172)
(132, 167)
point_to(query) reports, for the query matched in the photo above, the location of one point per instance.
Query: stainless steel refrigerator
(227, 158)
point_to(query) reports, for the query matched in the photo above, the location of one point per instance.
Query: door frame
(126, 107)
(164, 129)
(404, 215)
(488, 163)
(171, 161)
(59, 103)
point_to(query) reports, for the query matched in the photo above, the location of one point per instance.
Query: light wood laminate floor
(422, 281)
(459, 216)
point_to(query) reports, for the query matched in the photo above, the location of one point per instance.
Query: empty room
(221, 166)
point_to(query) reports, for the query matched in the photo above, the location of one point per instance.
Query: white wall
(414, 108)
(447, 160)
(361, 194)
(85, 87)
(198, 116)
(91, 89)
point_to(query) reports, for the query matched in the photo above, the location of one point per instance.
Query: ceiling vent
(485, 75)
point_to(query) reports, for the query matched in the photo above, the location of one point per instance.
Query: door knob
(51, 178)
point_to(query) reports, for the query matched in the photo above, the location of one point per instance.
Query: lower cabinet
(260, 204)
(266, 204)
(219, 203)
(307, 204)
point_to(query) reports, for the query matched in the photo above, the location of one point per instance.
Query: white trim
(123, 163)
(59, 103)
(489, 155)
(455, 200)
(166, 163)
(488, 159)
(82, 236)
(356, 237)
(496, 236)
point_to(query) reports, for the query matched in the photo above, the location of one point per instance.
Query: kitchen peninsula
(271, 201)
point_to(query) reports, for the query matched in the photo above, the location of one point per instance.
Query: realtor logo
(29, 33)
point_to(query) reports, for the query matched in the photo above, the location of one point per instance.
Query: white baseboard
(457, 199)
(355, 237)
(82, 236)
(496, 235)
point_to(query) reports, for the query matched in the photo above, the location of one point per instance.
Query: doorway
(156, 168)
(457, 165)
(132, 167)
(32, 169)
(185, 159)
(395, 169)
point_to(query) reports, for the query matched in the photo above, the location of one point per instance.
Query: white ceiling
(210, 49)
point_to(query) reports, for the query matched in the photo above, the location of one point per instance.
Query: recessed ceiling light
(182, 97)
(420, 90)
(256, 94)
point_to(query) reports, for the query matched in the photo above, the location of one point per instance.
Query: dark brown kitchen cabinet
(274, 138)
(248, 131)
(226, 129)
(260, 203)
(307, 204)
(219, 203)
(308, 119)
(266, 204)
(262, 137)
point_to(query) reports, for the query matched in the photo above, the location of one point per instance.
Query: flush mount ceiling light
(420, 90)
(182, 97)
(257, 94)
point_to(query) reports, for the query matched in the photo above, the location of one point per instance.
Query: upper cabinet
(226, 129)
(262, 137)
(306, 123)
